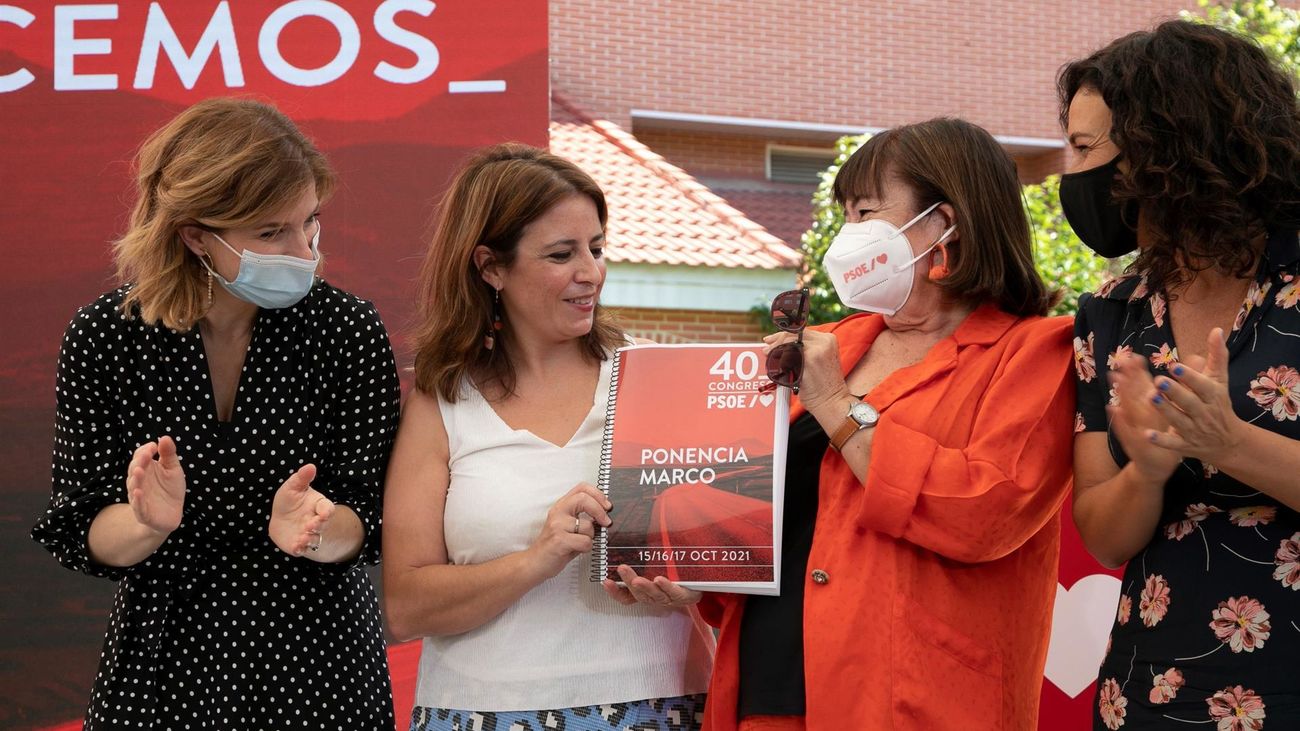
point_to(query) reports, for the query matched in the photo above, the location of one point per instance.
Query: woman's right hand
(822, 380)
(570, 527)
(1135, 415)
(155, 486)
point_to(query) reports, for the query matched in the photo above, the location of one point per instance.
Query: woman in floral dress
(1185, 146)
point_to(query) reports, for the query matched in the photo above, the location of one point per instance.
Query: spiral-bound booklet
(693, 459)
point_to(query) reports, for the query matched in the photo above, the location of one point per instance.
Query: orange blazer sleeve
(982, 501)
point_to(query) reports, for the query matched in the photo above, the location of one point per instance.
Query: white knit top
(565, 643)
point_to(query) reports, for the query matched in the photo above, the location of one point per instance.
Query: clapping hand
(1137, 416)
(155, 486)
(1196, 405)
(299, 514)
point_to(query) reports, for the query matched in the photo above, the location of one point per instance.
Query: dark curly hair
(1210, 128)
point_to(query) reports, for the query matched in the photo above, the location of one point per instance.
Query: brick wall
(714, 155)
(688, 326)
(1033, 168)
(834, 62)
(745, 157)
(838, 62)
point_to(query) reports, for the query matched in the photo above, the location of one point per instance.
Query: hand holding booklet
(693, 459)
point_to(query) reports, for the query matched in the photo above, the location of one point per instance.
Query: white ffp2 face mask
(870, 264)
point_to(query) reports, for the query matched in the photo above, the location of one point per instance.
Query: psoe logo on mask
(865, 268)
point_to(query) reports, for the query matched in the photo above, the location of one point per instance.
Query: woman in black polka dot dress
(219, 450)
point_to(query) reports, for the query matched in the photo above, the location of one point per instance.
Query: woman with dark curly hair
(1186, 147)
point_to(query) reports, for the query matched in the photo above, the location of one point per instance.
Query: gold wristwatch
(862, 415)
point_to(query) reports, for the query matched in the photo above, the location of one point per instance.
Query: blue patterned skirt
(683, 713)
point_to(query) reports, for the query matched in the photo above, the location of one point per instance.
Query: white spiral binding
(600, 539)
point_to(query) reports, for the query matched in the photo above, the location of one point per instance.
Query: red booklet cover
(693, 459)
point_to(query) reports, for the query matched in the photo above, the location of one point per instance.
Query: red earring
(490, 337)
(940, 271)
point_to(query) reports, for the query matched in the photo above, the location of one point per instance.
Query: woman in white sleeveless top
(490, 506)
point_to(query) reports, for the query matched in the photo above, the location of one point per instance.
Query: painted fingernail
(1158, 399)
(1163, 385)
(1178, 370)
(1151, 437)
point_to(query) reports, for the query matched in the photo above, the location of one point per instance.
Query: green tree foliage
(1276, 28)
(827, 219)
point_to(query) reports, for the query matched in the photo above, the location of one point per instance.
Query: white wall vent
(797, 164)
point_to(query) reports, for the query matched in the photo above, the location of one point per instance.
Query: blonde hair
(492, 199)
(222, 163)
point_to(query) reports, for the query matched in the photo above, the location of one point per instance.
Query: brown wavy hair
(1210, 128)
(222, 163)
(490, 203)
(950, 160)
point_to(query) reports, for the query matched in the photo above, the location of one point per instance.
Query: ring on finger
(577, 524)
(314, 547)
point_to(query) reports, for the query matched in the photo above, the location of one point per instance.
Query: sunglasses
(785, 361)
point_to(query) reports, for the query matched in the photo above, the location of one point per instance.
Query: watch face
(863, 413)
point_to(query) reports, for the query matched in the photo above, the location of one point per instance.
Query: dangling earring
(940, 271)
(490, 338)
(209, 268)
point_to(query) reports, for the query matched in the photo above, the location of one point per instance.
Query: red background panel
(66, 192)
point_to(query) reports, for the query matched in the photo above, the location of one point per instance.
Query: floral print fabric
(1207, 631)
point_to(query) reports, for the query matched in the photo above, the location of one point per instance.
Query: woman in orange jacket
(929, 456)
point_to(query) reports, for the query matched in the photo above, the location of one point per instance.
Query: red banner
(395, 92)
(1087, 595)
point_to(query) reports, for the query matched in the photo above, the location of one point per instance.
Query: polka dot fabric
(218, 628)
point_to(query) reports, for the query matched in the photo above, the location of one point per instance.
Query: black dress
(1206, 630)
(771, 629)
(219, 628)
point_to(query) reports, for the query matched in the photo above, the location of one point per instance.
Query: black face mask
(1101, 223)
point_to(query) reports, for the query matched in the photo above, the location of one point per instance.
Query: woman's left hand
(1195, 401)
(822, 378)
(299, 514)
(659, 592)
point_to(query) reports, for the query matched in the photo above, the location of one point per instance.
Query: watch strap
(845, 432)
(850, 426)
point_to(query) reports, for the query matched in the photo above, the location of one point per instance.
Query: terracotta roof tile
(785, 213)
(657, 212)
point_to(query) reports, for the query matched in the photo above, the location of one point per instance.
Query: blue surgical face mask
(272, 281)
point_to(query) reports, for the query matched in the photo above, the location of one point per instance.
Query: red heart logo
(882, 258)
